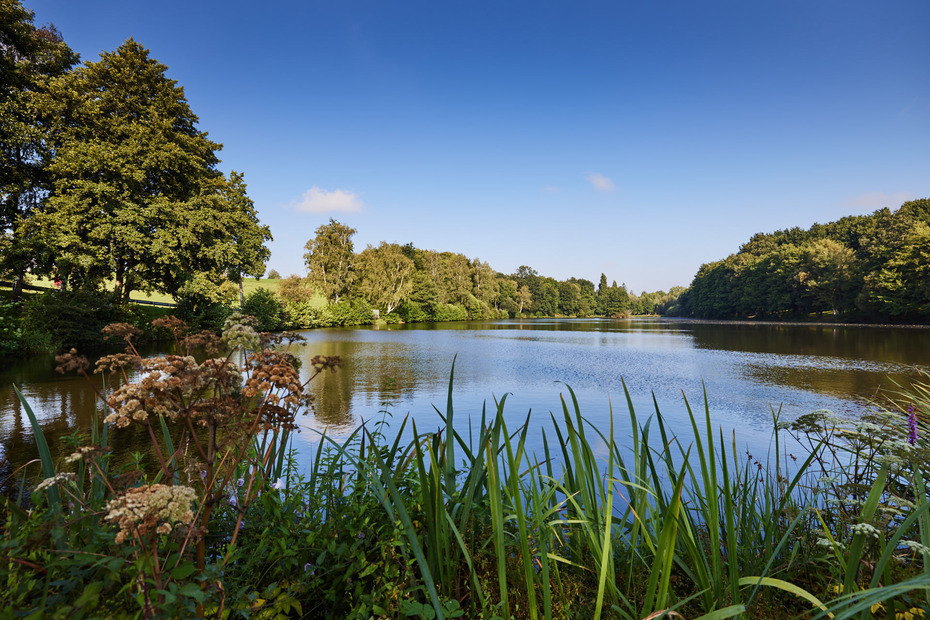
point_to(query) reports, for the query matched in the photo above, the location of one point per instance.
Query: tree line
(413, 284)
(872, 267)
(107, 179)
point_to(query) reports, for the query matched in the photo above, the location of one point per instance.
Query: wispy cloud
(316, 200)
(550, 189)
(600, 182)
(871, 201)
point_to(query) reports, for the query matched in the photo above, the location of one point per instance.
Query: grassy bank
(618, 522)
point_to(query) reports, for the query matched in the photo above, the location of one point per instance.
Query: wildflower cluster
(58, 478)
(153, 508)
(239, 330)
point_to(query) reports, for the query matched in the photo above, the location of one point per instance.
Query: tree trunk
(18, 287)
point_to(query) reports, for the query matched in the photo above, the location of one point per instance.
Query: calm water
(746, 368)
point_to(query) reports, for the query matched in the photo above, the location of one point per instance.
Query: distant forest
(872, 268)
(414, 284)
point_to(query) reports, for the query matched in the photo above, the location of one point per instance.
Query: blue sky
(634, 139)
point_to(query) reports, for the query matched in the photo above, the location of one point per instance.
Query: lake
(747, 369)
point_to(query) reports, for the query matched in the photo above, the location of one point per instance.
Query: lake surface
(747, 370)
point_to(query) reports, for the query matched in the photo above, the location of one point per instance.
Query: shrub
(303, 315)
(411, 312)
(347, 313)
(274, 275)
(295, 289)
(71, 318)
(450, 312)
(266, 307)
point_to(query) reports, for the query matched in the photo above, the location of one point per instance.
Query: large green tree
(329, 259)
(136, 195)
(384, 276)
(29, 56)
(250, 255)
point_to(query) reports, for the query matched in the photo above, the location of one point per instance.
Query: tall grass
(453, 524)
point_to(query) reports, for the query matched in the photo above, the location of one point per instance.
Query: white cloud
(316, 200)
(870, 201)
(600, 182)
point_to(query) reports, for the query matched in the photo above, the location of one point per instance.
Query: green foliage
(348, 313)
(450, 312)
(871, 267)
(393, 522)
(11, 333)
(329, 259)
(274, 275)
(69, 318)
(266, 307)
(30, 57)
(201, 310)
(135, 195)
(383, 276)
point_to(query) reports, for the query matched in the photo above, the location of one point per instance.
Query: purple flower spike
(911, 426)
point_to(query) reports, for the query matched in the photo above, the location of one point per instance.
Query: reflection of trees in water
(867, 385)
(333, 390)
(904, 346)
(374, 375)
(64, 406)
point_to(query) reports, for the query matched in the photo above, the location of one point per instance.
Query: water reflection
(746, 368)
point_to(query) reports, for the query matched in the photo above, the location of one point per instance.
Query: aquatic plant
(451, 523)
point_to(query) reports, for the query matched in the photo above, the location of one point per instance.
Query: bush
(274, 275)
(71, 318)
(266, 307)
(295, 289)
(10, 328)
(303, 315)
(346, 313)
(411, 312)
(200, 312)
(450, 312)
(141, 317)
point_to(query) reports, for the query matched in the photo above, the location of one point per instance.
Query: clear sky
(638, 139)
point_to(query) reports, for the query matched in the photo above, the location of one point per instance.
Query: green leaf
(45, 455)
(91, 594)
(786, 586)
(726, 612)
(183, 571)
(193, 591)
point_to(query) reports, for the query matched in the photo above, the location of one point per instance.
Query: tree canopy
(414, 284)
(29, 56)
(135, 192)
(329, 259)
(866, 267)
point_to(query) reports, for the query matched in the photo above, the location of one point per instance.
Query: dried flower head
(273, 339)
(326, 362)
(117, 361)
(273, 375)
(173, 324)
(121, 331)
(86, 453)
(56, 479)
(152, 508)
(71, 361)
(206, 340)
(239, 331)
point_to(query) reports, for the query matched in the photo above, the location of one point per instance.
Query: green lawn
(248, 285)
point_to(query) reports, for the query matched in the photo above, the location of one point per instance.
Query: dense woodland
(413, 284)
(864, 267)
